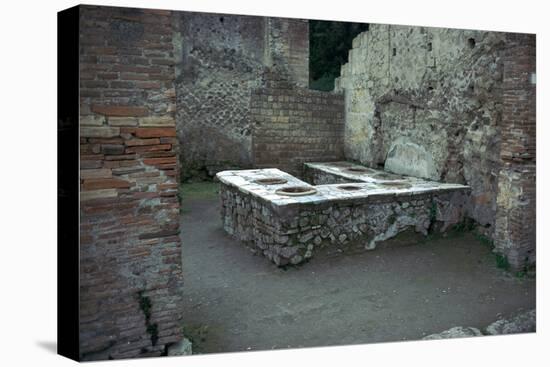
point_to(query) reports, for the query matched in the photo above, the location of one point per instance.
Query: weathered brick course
(119, 110)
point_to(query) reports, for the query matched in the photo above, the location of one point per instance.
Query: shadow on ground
(236, 301)
(49, 346)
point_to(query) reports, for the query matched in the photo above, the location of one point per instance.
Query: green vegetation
(502, 262)
(145, 305)
(199, 190)
(527, 272)
(433, 212)
(329, 44)
(485, 240)
(466, 225)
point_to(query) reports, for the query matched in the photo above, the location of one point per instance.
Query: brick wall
(288, 48)
(293, 125)
(130, 251)
(515, 233)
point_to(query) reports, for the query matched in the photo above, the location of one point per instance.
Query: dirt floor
(404, 290)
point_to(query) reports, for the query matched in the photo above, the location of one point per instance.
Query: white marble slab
(371, 186)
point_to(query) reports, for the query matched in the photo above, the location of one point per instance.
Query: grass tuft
(199, 190)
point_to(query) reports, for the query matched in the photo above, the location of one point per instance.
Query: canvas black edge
(68, 183)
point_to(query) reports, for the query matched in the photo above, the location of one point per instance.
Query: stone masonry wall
(220, 59)
(130, 251)
(427, 102)
(293, 125)
(515, 234)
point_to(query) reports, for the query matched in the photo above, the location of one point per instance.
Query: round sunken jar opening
(270, 181)
(349, 188)
(296, 191)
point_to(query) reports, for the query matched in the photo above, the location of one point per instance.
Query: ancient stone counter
(287, 220)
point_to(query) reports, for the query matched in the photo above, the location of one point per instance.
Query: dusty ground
(410, 288)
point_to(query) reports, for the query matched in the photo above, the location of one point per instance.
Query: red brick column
(515, 230)
(130, 265)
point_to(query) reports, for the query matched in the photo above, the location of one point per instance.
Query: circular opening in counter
(296, 191)
(395, 185)
(387, 176)
(349, 187)
(270, 181)
(358, 169)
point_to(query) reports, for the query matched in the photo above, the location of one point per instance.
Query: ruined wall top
(279, 44)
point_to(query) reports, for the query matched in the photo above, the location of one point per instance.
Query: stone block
(153, 132)
(182, 348)
(90, 164)
(155, 161)
(148, 148)
(127, 170)
(92, 120)
(99, 132)
(408, 158)
(525, 322)
(95, 173)
(112, 149)
(141, 142)
(123, 121)
(98, 194)
(123, 111)
(104, 183)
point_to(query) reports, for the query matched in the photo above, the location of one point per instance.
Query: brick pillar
(287, 49)
(516, 205)
(130, 251)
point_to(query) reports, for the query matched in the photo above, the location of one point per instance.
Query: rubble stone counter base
(375, 206)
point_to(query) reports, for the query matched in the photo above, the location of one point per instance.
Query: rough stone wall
(427, 102)
(293, 125)
(515, 234)
(220, 60)
(130, 251)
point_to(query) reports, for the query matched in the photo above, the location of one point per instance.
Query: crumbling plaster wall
(220, 59)
(428, 102)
